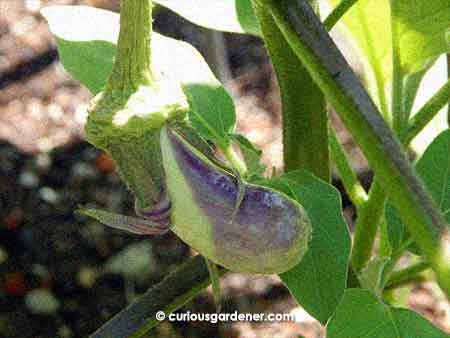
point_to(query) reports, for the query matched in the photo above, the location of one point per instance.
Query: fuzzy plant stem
(132, 66)
(370, 213)
(354, 189)
(370, 207)
(327, 66)
(304, 114)
(117, 120)
(369, 217)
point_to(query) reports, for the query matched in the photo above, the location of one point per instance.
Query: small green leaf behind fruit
(211, 112)
(251, 154)
(362, 314)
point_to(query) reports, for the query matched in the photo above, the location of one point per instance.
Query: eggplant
(249, 228)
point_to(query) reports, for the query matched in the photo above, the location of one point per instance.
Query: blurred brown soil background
(62, 275)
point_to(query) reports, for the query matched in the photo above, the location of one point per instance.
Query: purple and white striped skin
(267, 232)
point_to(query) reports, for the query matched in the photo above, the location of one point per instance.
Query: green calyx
(126, 117)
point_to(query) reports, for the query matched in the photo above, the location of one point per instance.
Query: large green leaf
(422, 27)
(87, 52)
(434, 168)
(361, 314)
(86, 39)
(224, 15)
(319, 280)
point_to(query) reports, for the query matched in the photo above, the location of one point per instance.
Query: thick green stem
(428, 111)
(337, 13)
(125, 118)
(326, 65)
(132, 66)
(305, 120)
(354, 189)
(416, 124)
(370, 208)
(369, 217)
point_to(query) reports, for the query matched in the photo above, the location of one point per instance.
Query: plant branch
(337, 13)
(132, 66)
(395, 257)
(369, 207)
(408, 275)
(327, 66)
(117, 123)
(428, 111)
(175, 290)
(304, 114)
(354, 189)
(369, 217)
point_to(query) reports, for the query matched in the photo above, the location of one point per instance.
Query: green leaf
(368, 22)
(212, 111)
(235, 16)
(422, 27)
(434, 169)
(319, 280)
(251, 154)
(88, 54)
(86, 39)
(361, 314)
(396, 230)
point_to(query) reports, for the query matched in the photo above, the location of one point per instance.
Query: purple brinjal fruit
(243, 227)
